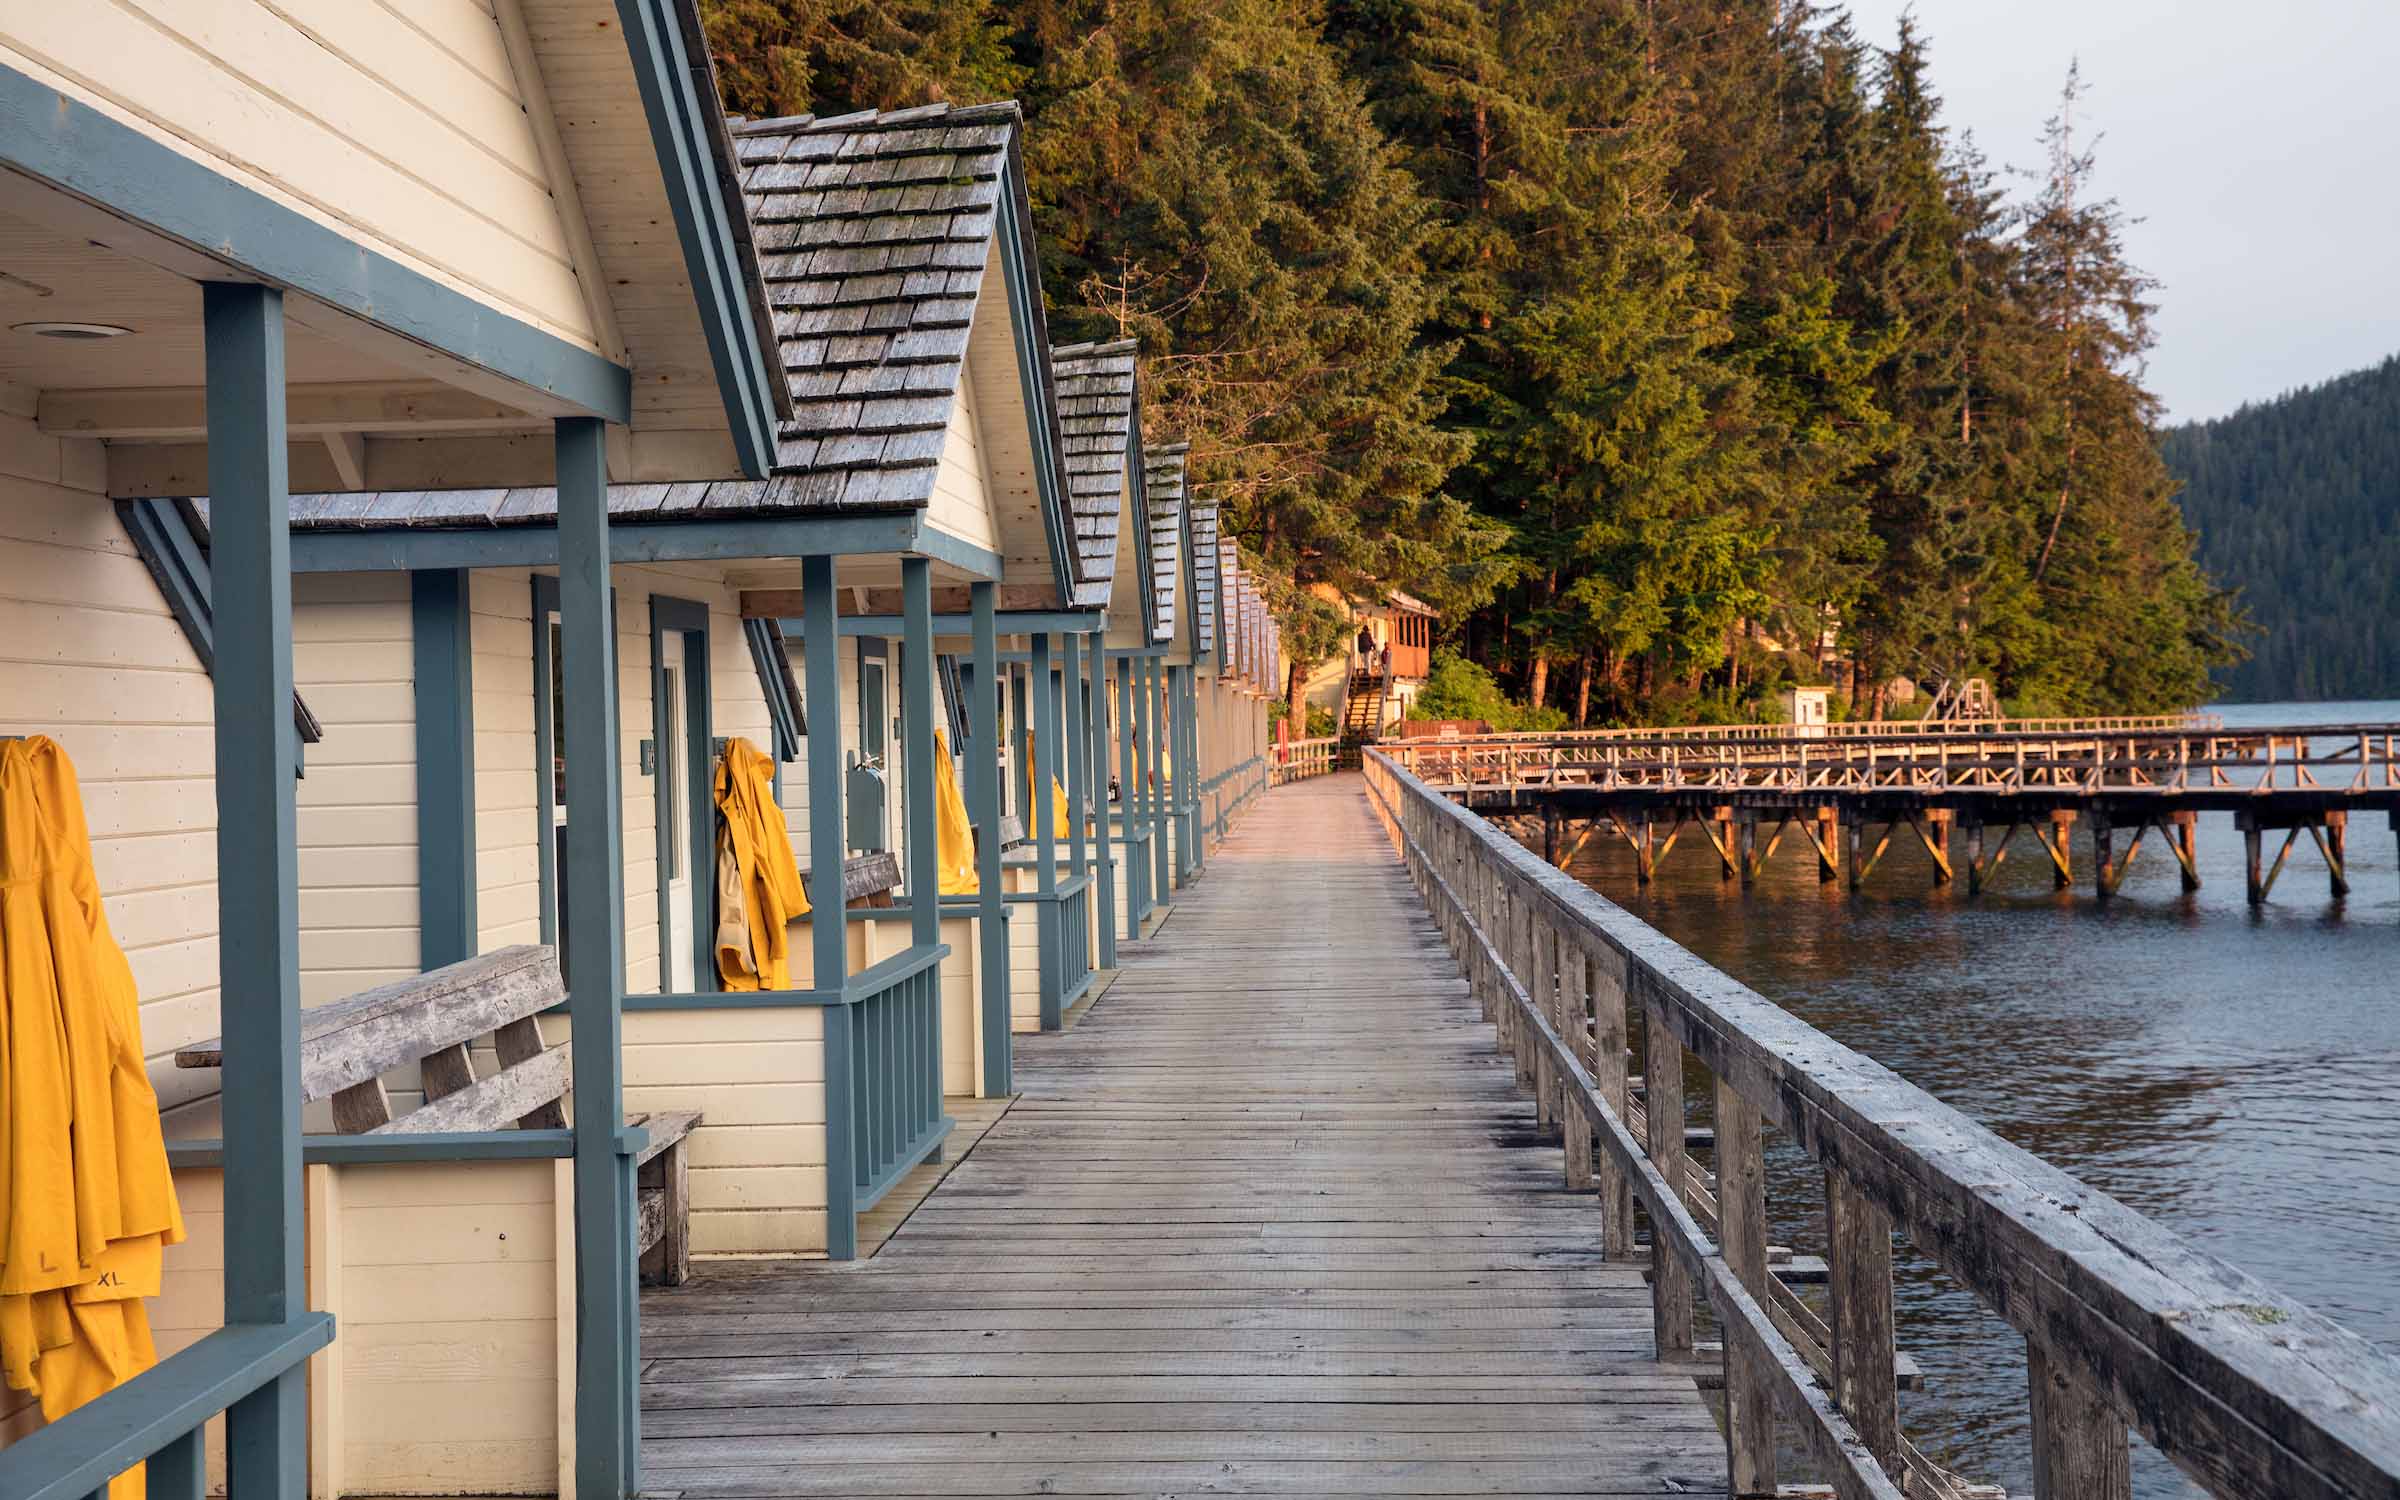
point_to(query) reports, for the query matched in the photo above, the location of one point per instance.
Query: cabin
(1385, 660)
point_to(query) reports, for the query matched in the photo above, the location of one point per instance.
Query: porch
(1244, 1229)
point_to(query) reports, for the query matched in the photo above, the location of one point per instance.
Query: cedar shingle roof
(1163, 477)
(874, 233)
(1205, 568)
(1100, 416)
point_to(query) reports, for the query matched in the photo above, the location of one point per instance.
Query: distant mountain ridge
(2297, 503)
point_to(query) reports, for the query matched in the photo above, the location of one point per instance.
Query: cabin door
(683, 771)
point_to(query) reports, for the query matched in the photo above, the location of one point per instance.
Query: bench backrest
(429, 1019)
(377, 1030)
(867, 879)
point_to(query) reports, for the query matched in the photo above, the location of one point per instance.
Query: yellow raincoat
(86, 1201)
(766, 888)
(954, 841)
(1058, 798)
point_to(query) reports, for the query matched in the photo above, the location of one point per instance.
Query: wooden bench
(433, 1020)
(867, 879)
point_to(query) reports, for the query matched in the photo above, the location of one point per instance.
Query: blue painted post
(1137, 869)
(1198, 842)
(1078, 749)
(1042, 820)
(916, 731)
(258, 911)
(829, 943)
(443, 644)
(1154, 740)
(983, 785)
(607, 1351)
(1096, 705)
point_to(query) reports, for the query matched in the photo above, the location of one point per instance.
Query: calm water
(2235, 1074)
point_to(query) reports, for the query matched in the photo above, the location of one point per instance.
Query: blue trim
(983, 790)
(442, 636)
(1005, 622)
(775, 685)
(1020, 273)
(1096, 711)
(75, 1457)
(829, 941)
(48, 135)
(917, 757)
(405, 550)
(608, 1348)
(931, 541)
(161, 532)
(916, 1154)
(545, 758)
(688, 617)
(258, 913)
(379, 1150)
(684, 134)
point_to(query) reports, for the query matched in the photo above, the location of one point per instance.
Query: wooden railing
(2127, 1326)
(2331, 758)
(891, 1033)
(1302, 759)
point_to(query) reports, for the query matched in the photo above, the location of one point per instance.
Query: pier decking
(1274, 1218)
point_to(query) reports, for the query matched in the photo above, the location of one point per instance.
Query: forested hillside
(2297, 502)
(1633, 334)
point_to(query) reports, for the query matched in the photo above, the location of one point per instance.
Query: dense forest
(2297, 502)
(1672, 348)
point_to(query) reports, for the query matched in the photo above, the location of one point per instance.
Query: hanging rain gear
(954, 836)
(765, 888)
(1065, 821)
(86, 1201)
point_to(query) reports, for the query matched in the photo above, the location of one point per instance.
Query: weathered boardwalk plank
(1273, 1219)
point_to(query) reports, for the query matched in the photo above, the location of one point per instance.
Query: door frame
(688, 618)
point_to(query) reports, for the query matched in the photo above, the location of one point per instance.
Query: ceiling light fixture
(72, 330)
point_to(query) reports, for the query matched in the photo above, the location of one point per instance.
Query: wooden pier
(1274, 1218)
(1965, 796)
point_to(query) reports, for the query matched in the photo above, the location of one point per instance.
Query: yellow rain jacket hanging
(758, 880)
(86, 1203)
(954, 836)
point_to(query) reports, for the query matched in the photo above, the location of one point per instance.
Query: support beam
(983, 785)
(258, 913)
(1041, 820)
(916, 754)
(607, 1353)
(829, 947)
(1137, 867)
(1075, 736)
(1103, 834)
(442, 642)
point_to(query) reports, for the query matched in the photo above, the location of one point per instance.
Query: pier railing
(2127, 1326)
(2332, 758)
(1302, 759)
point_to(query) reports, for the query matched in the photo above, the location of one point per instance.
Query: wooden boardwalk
(1273, 1219)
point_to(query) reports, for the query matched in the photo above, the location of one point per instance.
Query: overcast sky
(2260, 143)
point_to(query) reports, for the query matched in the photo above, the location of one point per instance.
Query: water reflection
(2233, 1073)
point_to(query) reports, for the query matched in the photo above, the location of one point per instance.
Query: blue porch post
(1137, 868)
(1042, 819)
(1096, 782)
(607, 1351)
(258, 914)
(1196, 842)
(441, 630)
(983, 783)
(1078, 750)
(828, 930)
(1154, 740)
(916, 730)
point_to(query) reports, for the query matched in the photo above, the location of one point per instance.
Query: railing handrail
(2246, 1390)
(2194, 723)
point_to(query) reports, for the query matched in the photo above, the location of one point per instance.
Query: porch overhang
(406, 550)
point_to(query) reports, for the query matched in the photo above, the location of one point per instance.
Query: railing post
(1574, 1000)
(257, 863)
(1670, 1282)
(1541, 984)
(2080, 1447)
(1858, 1255)
(1742, 1235)
(1608, 1070)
